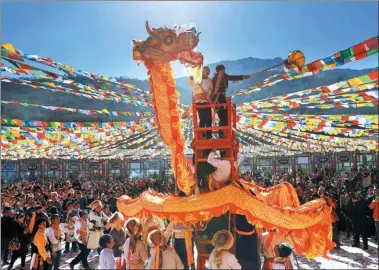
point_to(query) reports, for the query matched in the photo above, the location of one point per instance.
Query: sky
(96, 36)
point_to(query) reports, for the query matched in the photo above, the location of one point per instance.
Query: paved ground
(345, 258)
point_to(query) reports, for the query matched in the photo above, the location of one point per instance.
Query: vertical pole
(195, 125)
(103, 164)
(333, 156)
(83, 169)
(42, 168)
(63, 161)
(196, 137)
(229, 112)
(20, 169)
(355, 159)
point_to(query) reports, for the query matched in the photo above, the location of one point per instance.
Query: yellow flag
(105, 111)
(9, 47)
(196, 73)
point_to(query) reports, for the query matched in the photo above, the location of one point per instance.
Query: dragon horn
(148, 29)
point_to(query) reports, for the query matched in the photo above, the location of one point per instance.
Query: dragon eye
(168, 40)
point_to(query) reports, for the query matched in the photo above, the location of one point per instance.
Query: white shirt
(55, 243)
(170, 260)
(98, 218)
(78, 227)
(179, 230)
(106, 259)
(223, 168)
(228, 261)
(205, 87)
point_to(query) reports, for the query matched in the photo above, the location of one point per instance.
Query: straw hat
(115, 218)
(155, 230)
(223, 240)
(137, 227)
(145, 236)
(96, 204)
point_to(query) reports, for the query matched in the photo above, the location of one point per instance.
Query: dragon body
(308, 227)
(161, 47)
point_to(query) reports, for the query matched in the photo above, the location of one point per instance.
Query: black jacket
(18, 230)
(358, 212)
(6, 223)
(225, 81)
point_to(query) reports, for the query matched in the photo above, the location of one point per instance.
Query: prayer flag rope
(362, 50)
(81, 111)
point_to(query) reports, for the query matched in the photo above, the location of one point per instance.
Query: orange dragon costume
(307, 227)
(162, 46)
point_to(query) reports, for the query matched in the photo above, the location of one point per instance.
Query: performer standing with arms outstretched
(220, 83)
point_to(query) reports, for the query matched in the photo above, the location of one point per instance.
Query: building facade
(37, 168)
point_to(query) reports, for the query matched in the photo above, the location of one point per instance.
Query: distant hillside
(49, 98)
(236, 67)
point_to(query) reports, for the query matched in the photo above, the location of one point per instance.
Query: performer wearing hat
(134, 249)
(220, 257)
(162, 257)
(97, 221)
(118, 233)
(272, 246)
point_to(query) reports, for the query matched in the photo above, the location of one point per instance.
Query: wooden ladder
(228, 142)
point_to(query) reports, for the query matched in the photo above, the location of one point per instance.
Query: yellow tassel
(32, 222)
(157, 254)
(210, 183)
(188, 242)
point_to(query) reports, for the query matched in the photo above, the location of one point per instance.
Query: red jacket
(375, 206)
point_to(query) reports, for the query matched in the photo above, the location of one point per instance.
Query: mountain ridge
(242, 66)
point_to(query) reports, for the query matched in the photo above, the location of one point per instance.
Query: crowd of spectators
(353, 195)
(64, 198)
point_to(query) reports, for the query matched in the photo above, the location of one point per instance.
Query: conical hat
(137, 227)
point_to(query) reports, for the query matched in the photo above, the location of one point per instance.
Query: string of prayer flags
(81, 111)
(357, 52)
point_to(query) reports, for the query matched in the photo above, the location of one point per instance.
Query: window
(135, 165)
(303, 160)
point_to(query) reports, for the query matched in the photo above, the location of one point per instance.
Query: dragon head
(165, 45)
